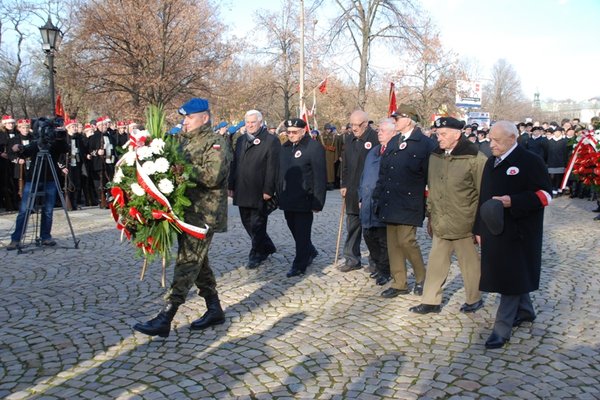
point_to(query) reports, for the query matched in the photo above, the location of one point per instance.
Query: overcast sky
(552, 44)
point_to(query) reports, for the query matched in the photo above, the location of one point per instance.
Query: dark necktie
(497, 161)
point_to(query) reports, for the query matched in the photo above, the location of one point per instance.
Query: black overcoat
(400, 191)
(511, 261)
(302, 176)
(254, 169)
(353, 161)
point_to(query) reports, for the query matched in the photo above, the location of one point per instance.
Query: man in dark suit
(511, 237)
(361, 140)
(301, 189)
(252, 182)
(400, 199)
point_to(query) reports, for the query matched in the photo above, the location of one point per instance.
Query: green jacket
(211, 156)
(454, 181)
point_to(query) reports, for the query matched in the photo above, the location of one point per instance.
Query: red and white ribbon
(146, 183)
(586, 138)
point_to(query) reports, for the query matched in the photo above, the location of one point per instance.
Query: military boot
(161, 324)
(214, 314)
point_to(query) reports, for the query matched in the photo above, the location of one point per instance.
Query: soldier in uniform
(121, 136)
(329, 139)
(87, 169)
(252, 183)
(7, 189)
(301, 189)
(211, 157)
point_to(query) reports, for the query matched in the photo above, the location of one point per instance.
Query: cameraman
(56, 146)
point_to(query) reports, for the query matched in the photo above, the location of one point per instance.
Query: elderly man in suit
(515, 188)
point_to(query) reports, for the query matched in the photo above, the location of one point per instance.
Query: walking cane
(339, 236)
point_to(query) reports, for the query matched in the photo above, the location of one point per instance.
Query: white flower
(157, 146)
(161, 165)
(144, 152)
(137, 189)
(129, 158)
(165, 186)
(118, 178)
(149, 168)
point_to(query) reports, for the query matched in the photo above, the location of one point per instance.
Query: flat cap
(195, 105)
(492, 214)
(295, 123)
(449, 122)
(405, 111)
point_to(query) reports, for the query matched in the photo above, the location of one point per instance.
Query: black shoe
(374, 275)
(425, 309)
(312, 256)
(214, 314)
(347, 267)
(13, 245)
(495, 341)
(48, 242)
(470, 308)
(519, 320)
(254, 262)
(294, 272)
(383, 279)
(159, 325)
(418, 290)
(597, 218)
(597, 209)
(393, 292)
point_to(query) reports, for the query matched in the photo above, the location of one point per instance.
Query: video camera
(47, 131)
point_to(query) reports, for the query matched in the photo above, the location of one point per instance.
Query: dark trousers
(191, 268)
(511, 307)
(7, 188)
(352, 245)
(376, 240)
(255, 222)
(300, 224)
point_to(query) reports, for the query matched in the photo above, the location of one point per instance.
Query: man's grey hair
(509, 128)
(391, 124)
(258, 114)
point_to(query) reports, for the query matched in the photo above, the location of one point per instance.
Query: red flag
(392, 107)
(323, 86)
(59, 111)
(305, 118)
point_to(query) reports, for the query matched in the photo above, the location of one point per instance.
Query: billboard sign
(468, 94)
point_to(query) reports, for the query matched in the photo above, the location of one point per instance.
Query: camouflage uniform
(211, 157)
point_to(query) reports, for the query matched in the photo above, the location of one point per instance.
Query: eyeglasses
(293, 132)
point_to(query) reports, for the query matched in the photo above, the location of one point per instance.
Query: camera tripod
(43, 159)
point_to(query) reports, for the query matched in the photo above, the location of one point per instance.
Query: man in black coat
(252, 183)
(511, 235)
(356, 147)
(400, 199)
(301, 189)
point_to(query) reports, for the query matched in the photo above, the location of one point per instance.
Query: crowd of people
(475, 186)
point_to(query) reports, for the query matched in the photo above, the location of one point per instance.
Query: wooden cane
(339, 235)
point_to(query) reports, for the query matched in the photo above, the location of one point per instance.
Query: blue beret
(241, 124)
(232, 129)
(221, 124)
(176, 129)
(193, 106)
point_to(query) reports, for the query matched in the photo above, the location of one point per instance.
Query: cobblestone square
(66, 317)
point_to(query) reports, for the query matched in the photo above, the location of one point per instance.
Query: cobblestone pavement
(66, 317)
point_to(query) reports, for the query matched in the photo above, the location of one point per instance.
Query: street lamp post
(51, 37)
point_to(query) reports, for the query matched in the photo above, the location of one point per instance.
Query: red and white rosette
(146, 183)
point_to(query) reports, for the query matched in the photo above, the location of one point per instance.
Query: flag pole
(301, 102)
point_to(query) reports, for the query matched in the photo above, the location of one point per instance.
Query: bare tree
(367, 21)
(503, 97)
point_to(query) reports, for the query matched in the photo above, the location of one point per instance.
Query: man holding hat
(455, 169)
(211, 158)
(511, 235)
(400, 199)
(301, 189)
